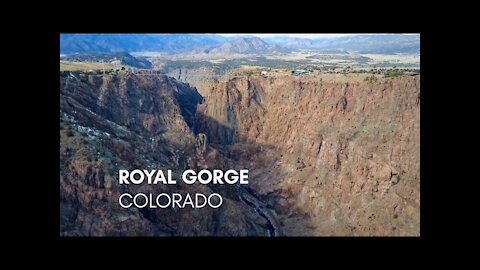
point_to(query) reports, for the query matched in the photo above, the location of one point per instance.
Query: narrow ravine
(273, 228)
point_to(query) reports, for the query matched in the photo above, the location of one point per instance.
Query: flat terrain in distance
(83, 66)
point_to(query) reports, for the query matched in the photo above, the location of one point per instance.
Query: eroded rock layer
(333, 157)
(327, 156)
(130, 122)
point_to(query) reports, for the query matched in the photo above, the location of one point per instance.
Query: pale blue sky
(311, 36)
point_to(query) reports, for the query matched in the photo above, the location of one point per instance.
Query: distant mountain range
(216, 44)
(246, 45)
(109, 43)
(123, 57)
(383, 44)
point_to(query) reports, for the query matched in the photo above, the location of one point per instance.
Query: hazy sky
(290, 35)
(311, 36)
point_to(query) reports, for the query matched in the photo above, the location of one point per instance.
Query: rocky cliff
(331, 156)
(327, 155)
(126, 121)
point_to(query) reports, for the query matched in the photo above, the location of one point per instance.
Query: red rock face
(125, 122)
(326, 156)
(339, 157)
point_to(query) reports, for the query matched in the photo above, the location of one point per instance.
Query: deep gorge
(325, 157)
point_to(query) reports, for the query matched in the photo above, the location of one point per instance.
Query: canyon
(331, 156)
(327, 155)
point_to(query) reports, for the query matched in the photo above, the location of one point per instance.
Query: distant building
(264, 73)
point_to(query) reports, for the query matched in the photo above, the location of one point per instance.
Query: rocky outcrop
(201, 145)
(234, 111)
(127, 121)
(132, 101)
(326, 155)
(333, 157)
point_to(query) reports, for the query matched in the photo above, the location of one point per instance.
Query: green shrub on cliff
(371, 79)
(393, 73)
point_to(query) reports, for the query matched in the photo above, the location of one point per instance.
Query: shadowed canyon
(327, 157)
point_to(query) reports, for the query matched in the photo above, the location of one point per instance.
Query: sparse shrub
(371, 79)
(393, 73)
(69, 133)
